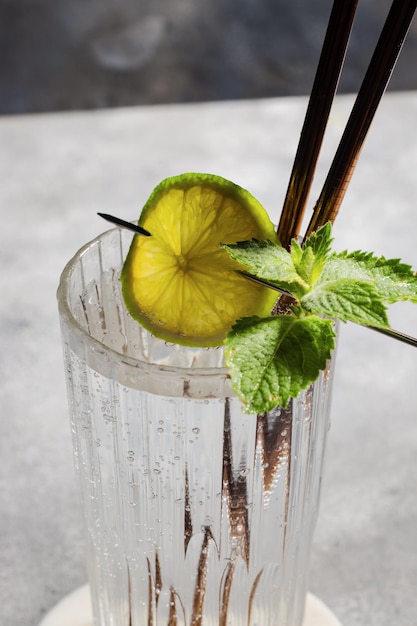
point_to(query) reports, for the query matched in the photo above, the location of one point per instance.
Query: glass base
(75, 610)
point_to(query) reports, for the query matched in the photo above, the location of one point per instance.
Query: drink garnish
(179, 283)
(187, 283)
(274, 358)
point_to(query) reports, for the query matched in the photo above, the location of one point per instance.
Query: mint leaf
(296, 253)
(347, 299)
(320, 242)
(269, 261)
(273, 359)
(310, 259)
(304, 262)
(393, 280)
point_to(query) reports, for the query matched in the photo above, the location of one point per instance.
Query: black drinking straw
(371, 91)
(320, 102)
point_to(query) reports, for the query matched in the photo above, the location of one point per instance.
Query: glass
(195, 512)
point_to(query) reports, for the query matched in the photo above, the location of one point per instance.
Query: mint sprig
(272, 359)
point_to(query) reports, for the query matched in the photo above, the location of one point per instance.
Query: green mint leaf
(321, 242)
(305, 264)
(347, 299)
(393, 280)
(310, 259)
(271, 360)
(269, 261)
(296, 253)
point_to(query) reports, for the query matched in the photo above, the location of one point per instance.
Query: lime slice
(179, 283)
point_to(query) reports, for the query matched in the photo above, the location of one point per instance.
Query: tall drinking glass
(195, 512)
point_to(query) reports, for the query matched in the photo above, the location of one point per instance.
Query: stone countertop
(57, 171)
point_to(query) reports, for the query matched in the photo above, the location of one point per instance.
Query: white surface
(75, 610)
(57, 171)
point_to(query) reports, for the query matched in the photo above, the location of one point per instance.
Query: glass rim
(66, 314)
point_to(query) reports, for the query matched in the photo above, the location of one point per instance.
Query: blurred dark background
(83, 54)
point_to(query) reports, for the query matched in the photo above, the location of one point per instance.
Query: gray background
(58, 170)
(82, 54)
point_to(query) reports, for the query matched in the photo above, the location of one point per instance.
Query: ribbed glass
(195, 512)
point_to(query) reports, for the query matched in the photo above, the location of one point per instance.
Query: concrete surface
(83, 54)
(58, 170)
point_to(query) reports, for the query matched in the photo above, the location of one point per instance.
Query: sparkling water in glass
(195, 512)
